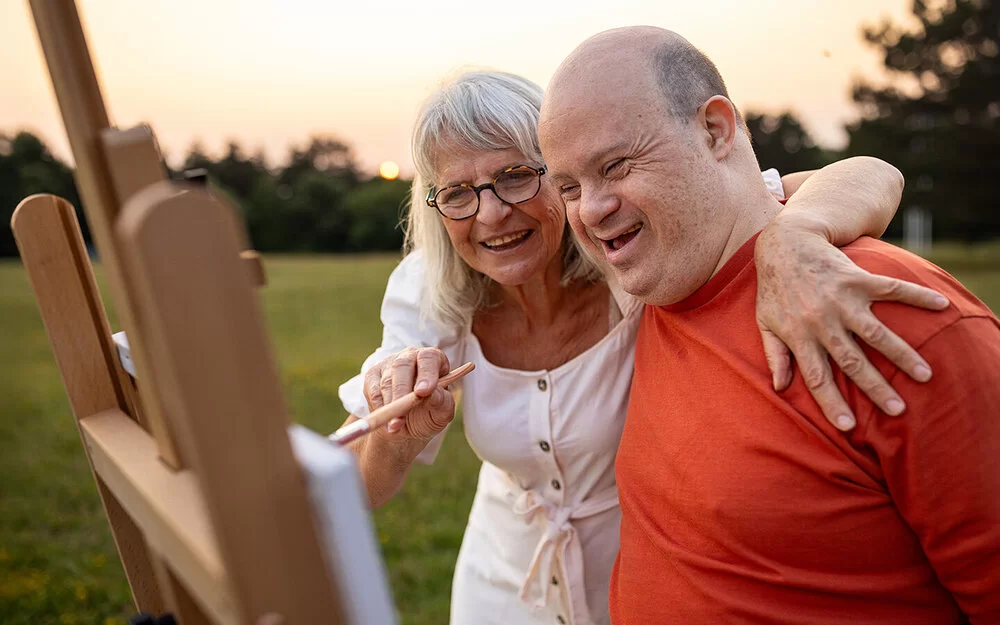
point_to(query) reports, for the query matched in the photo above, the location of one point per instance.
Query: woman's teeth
(506, 239)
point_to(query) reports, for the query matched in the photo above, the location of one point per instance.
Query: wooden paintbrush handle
(455, 374)
(394, 409)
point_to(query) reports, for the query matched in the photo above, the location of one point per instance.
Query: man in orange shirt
(741, 504)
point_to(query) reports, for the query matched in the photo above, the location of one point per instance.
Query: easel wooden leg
(182, 604)
(55, 259)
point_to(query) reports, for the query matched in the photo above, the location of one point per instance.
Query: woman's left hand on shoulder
(812, 301)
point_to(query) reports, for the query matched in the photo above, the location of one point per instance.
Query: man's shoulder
(913, 324)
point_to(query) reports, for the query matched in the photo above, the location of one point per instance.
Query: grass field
(57, 560)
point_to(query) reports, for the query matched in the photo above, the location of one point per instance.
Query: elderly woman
(494, 277)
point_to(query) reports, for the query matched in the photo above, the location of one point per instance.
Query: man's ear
(719, 119)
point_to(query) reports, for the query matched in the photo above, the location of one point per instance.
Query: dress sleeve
(941, 461)
(772, 179)
(403, 326)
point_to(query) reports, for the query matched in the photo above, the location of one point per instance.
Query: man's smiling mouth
(622, 239)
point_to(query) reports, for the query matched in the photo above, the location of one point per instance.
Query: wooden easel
(209, 506)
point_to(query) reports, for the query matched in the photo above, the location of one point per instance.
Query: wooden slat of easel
(88, 129)
(168, 504)
(157, 515)
(216, 374)
(54, 256)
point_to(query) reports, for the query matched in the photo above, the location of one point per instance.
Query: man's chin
(633, 283)
(629, 277)
(649, 289)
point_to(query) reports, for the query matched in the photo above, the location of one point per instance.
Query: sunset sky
(270, 73)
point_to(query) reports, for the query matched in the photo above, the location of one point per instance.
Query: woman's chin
(515, 273)
(517, 266)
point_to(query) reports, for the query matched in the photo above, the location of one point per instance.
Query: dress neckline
(583, 356)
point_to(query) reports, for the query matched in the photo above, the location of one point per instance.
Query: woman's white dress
(543, 531)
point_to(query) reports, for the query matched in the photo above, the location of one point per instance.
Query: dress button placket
(542, 422)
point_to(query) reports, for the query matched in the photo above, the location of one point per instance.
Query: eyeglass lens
(517, 185)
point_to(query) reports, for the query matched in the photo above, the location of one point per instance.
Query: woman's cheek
(458, 234)
(556, 227)
(555, 211)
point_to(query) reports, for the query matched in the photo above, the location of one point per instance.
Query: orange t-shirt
(742, 505)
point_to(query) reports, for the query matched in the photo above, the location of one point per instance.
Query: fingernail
(423, 385)
(774, 381)
(894, 407)
(922, 373)
(846, 422)
(941, 301)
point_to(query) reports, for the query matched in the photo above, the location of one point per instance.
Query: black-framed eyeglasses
(513, 185)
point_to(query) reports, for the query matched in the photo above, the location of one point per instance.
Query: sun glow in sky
(388, 170)
(270, 73)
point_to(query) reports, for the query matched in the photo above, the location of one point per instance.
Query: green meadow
(57, 560)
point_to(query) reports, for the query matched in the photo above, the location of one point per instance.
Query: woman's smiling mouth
(506, 241)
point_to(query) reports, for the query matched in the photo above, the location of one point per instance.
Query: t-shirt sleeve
(403, 326)
(941, 461)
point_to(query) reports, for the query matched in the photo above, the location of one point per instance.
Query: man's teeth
(507, 238)
(618, 242)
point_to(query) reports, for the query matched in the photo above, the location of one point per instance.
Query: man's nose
(595, 206)
(492, 211)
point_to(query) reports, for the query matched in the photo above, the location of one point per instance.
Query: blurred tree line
(27, 167)
(940, 121)
(780, 141)
(937, 122)
(319, 201)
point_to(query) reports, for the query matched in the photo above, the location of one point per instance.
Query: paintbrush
(392, 410)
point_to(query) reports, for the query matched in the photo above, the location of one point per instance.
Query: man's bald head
(650, 157)
(684, 75)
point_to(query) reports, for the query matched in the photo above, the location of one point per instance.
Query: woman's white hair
(478, 110)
